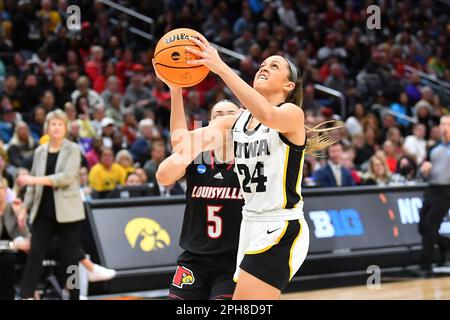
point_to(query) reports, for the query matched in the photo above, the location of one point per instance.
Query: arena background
(382, 71)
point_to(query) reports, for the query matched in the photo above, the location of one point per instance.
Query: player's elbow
(163, 177)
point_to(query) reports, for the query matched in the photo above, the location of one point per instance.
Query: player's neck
(275, 98)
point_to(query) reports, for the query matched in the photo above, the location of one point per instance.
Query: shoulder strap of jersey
(237, 119)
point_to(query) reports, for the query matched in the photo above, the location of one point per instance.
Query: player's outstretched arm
(177, 116)
(206, 138)
(279, 118)
(171, 170)
(194, 142)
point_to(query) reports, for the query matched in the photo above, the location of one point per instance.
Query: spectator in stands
(6, 170)
(142, 146)
(85, 189)
(242, 29)
(402, 107)
(336, 80)
(353, 123)
(22, 145)
(435, 137)
(370, 80)
(107, 174)
(98, 114)
(129, 128)
(394, 134)
(412, 89)
(133, 180)
(425, 101)
(48, 101)
(153, 186)
(30, 93)
(309, 101)
(243, 43)
(194, 110)
(333, 174)
(171, 190)
(214, 23)
(136, 94)
(347, 159)
(61, 90)
(390, 155)
(406, 172)
(18, 239)
(47, 12)
(37, 121)
(158, 154)
(70, 110)
(94, 66)
(125, 160)
(10, 90)
(108, 128)
(8, 120)
(330, 49)
(115, 109)
(118, 141)
(83, 89)
(286, 14)
(124, 67)
(378, 173)
(93, 155)
(112, 86)
(425, 116)
(415, 145)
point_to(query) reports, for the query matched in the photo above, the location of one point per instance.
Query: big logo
(334, 223)
(148, 233)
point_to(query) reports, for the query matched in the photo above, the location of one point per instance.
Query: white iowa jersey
(269, 169)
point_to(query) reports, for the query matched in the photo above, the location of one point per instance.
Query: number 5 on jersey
(213, 221)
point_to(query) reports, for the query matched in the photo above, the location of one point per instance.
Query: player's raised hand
(170, 85)
(209, 57)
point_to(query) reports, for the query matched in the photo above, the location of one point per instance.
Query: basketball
(171, 59)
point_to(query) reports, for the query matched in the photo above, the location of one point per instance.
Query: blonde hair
(317, 139)
(124, 153)
(382, 159)
(57, 114)
(320, 139)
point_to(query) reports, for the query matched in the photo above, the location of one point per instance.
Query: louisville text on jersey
(206, 192)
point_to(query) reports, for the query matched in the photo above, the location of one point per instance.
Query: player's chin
(260, 84)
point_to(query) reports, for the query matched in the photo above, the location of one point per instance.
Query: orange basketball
(171, 58)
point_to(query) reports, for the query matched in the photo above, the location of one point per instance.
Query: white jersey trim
(276, 215)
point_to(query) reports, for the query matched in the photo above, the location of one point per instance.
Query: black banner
(144, 233)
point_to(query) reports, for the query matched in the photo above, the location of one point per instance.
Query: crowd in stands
(102, 77)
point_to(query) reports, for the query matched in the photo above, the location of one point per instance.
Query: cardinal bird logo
(148, 233)
(182, 277)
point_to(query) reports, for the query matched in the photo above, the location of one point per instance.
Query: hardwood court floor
(410, 289)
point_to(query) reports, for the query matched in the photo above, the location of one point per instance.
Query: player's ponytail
(319, 136)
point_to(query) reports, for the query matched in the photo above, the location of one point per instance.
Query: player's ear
(289, 86)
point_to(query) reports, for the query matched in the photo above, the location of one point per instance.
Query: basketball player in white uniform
(270, 143)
